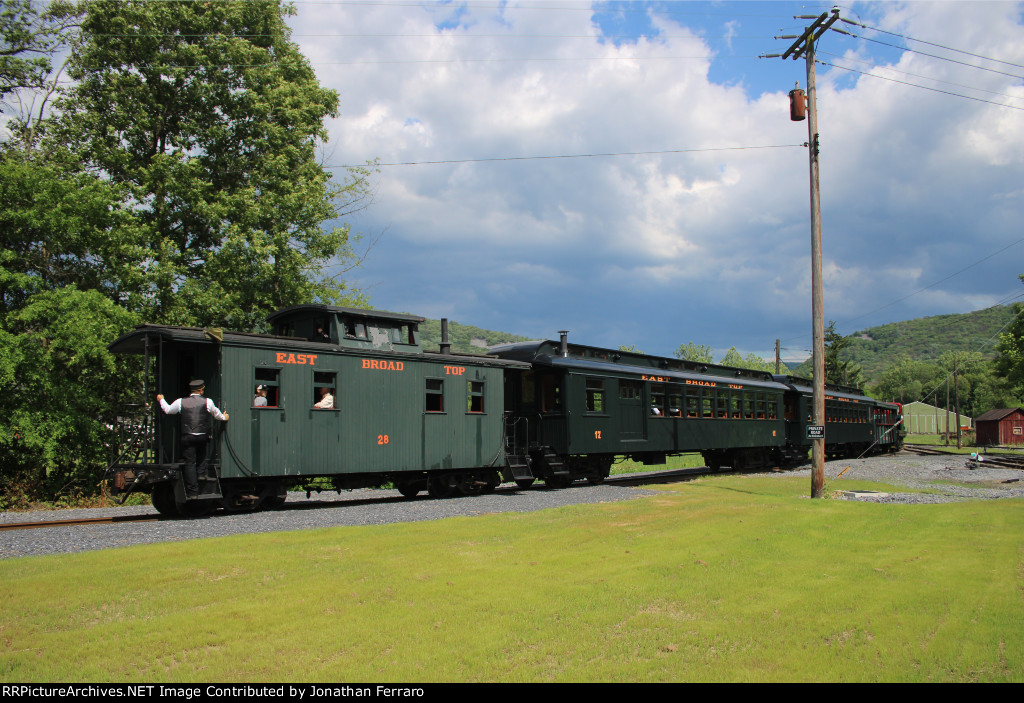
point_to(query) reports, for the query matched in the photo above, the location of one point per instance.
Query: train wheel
(739, 462)
(196, 508)
(278, 496)
(440, 487)
(599, 468)
(713, 460)
(163, 500)
(525, 483)
(557, 481)
(408, 489)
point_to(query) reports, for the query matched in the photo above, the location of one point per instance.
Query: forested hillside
(465, 339)
(927, 338)
(922, 339)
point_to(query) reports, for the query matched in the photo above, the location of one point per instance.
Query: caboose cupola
(349, 327)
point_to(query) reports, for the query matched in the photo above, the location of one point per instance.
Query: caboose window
(356, 330)
(325, 381)
(474, 396)
(402, 335)
(595, 395)
(435, 395)
(269, 380)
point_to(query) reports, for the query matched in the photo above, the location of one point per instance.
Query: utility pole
(947, 410)
(956, 401)
(778, 358)
(804, 46)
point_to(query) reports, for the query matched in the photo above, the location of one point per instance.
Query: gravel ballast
(946, 478)
(360, 507)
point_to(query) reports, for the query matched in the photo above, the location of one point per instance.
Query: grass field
(735, 578)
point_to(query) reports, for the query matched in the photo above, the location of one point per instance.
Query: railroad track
(78, 522)
(636, 479)
(1005, 461)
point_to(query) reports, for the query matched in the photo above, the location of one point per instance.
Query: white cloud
(914, 183)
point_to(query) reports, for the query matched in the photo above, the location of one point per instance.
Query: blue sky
(698, 228)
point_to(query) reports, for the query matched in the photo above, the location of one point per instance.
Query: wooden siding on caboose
(392, 408)
(391, 412)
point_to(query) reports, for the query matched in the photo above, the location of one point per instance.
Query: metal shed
(922, 418)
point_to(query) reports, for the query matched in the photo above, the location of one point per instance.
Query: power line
(935, 56)
(922, 41)
(922, 87)
(419, 61)
(576, 156)
(941, 280)
(923, 289)
(918, 75)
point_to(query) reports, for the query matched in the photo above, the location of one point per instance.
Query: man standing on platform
(196, 428)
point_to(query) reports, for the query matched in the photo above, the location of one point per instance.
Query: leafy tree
(700, 353)
(178, 184)
(29, 36)
(903, 381)
(1010, 362)
(989, 390)
(31, 33)
(750, 361)
(60, 387)
(60, 226)
(839, 370)
(209, 117)
(630, 348)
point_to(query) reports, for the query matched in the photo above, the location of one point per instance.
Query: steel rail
(79, 521)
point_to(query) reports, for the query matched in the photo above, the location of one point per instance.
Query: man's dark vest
(195, 419)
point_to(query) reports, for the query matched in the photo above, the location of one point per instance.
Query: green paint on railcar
(394, 408)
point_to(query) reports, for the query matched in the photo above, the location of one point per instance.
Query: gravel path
(946, 478)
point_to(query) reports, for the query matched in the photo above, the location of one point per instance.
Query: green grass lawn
(733, 578)
(681, 461)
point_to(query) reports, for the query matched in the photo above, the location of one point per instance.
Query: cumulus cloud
(708, 244)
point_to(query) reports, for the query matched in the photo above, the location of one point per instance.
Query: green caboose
(338, 394)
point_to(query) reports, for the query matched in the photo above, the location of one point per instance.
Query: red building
(1004, 426)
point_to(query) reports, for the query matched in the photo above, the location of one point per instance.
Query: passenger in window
(260, 401)
(655, 410)
(320, 335)
(326, 401)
